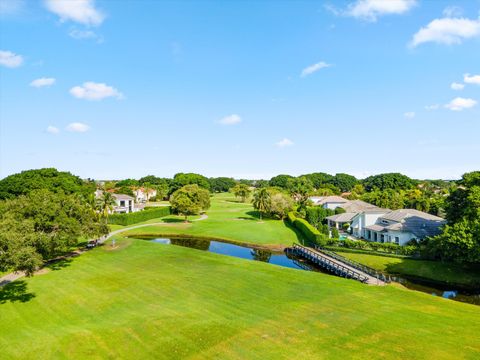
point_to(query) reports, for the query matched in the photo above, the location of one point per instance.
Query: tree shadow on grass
(255, 214)
(173, 220)
(59, 264)
(15, 291)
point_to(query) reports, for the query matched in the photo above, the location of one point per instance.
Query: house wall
(404, 237)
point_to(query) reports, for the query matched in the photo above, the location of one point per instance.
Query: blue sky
(116, 89)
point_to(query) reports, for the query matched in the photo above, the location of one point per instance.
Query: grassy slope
(229, 220)
(434, 270)
(146, 300)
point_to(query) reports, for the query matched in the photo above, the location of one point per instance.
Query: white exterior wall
(404, 237)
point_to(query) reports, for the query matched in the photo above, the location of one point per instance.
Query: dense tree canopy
(242, 191)
(50, 179)
(319, 179)
(221, 184)
(182, 179)
(280, 181)
(127, 183)
(395, 181)
(460, 239)
(344, 182)
(41, 225)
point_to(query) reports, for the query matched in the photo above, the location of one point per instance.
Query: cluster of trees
(271, 202)
(43, 224)
(460, 239)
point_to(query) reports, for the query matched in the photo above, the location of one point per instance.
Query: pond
(290, 261)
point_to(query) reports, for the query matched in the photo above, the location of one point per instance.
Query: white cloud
(457, 86)
(53, 130)
(84, 35)
(409, 115)
(447, 31)
(370, 10)
(230, 120)
(314, 68)
(80, 11)
(459, 104)
(10, 59)
(474, 79)
(42, 82)
(284, 143)
(95, 91)
(78, 127)
(432, 107)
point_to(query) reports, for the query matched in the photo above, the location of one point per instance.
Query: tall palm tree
(261, 201)
(106, 203)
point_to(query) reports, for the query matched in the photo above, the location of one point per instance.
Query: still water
(282, 259)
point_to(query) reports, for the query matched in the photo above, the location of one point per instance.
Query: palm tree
(106, 203)
(261, 201)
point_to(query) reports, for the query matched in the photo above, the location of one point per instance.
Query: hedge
(386, 248)
(307, 230)
(140, 216)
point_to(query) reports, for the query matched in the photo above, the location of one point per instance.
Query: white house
(401, 226)
(124, 204)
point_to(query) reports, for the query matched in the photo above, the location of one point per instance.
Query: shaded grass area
(144, 300)
(228, 219)
(433, 270)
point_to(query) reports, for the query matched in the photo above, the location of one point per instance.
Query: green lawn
(229, 220)
(432, 270)
(151, 301)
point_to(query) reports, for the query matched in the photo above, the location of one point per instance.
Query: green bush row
(307, 230)
(140, 216)
(388, 248)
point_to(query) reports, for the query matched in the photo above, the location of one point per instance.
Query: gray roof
(413, 221)
(375, 227)
(122, 197)
(356, 206)
(341, 218)
(401, 214)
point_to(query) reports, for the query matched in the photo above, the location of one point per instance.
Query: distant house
(124, 204)
(328, 202)
(143, 195)
(352, 209)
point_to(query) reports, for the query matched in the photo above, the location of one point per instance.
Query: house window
(397, 240)
(122, 202)
(384, 222)
(369, 235)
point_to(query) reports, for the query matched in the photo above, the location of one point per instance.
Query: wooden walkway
(336, 264)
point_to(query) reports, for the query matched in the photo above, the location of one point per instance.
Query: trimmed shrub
(140, 216)
(291, 217)
(335, 233)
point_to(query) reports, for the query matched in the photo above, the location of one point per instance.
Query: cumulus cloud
(409, 115)
(80, 11)
(471, 79)
(371, 10)
(447, 31)
(10, 59)
(459, 104)
(95, 91)
(284, 143)
(53, 130)
(314, 68)
(230, 120)
(457, 86)
(42, 82)
(78, 127)
(453, 11)
(432, 107)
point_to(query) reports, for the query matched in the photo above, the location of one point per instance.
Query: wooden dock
(338, 265)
